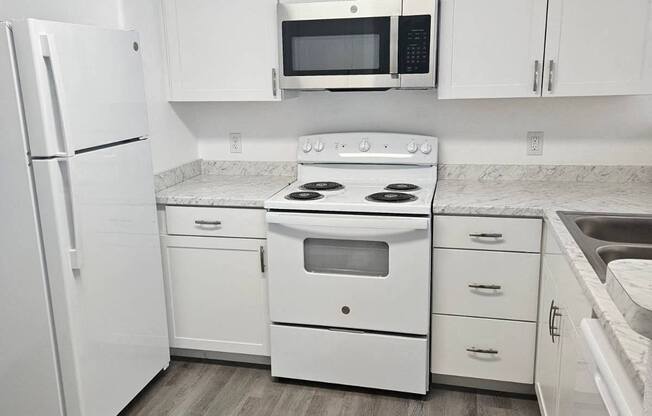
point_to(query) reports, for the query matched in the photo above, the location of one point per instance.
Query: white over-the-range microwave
(357, 44)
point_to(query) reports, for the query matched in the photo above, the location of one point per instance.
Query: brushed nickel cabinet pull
(482, 350)
(483, 286)
(537, 75)
(551, 74)
(207, 222)
(486, 235)
(261, 251)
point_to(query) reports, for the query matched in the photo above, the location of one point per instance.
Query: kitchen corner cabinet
(549, 48)
(221, 50)
(216, 287)
(562, 376)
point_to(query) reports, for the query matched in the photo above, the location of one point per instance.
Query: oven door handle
(348, 221)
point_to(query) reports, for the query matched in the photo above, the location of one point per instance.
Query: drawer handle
(486, 235)
(482, 286)
(206, 222)
(482, 350)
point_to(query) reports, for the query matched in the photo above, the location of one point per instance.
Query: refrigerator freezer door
(109, 308)
(82, 85)
(29, 381)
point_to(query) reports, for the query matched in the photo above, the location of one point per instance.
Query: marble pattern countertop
(224, 190)
(544, 199)
(629, 283)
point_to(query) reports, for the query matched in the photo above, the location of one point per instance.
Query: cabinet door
(217, 294)
(546, 375)
(578, 394)
(491, 48)
(598, 47)
(221, 50)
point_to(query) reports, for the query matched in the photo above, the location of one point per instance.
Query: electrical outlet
(235, 142)
(534, 143)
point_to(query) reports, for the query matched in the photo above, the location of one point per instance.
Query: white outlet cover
(235, 142)
(534, 143)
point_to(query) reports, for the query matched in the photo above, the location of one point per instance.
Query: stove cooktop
(354, 197)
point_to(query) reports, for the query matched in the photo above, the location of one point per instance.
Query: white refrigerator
(82, 310)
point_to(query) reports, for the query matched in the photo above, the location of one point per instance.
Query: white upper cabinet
(491, 48)
(496, 49)
(598, 47)
(221, 50)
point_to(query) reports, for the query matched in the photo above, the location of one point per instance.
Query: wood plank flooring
(193, 388)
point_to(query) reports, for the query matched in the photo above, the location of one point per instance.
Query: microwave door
(359, 53)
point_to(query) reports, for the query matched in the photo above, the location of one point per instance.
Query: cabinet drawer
(216, 222)
(508, 348)
(381, 361)
(488, 233)
(485, 284)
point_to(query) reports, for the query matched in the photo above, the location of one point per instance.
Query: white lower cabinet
(562, 379)
(483, 348)
(484, 297)
(217, 294)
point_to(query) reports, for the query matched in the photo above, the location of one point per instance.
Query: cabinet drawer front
(216, 222)
(505, 349)
(488, 233)
(485, 284)
(372, 360)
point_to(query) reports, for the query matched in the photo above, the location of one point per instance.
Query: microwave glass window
(346, 257)
(336, 52)
(336, 46)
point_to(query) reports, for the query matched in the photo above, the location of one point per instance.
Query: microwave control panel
(414, 44)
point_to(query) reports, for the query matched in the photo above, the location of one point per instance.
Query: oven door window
(346, 257)
(336, 46)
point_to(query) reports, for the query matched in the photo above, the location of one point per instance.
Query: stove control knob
(426, 148)
(319, 146)
(307, 147)
(364, 145)
(412, 147)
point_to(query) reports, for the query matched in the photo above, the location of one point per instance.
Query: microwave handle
(393, 45)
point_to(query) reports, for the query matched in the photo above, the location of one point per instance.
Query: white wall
(172, 142)
(91, 12)
(602, 130)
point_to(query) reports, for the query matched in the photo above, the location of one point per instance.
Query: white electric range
(349, 249)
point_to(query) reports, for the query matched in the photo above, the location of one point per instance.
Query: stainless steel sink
(605, 237)
(631, 230)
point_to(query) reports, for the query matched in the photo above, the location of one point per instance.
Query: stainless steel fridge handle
(48, 50)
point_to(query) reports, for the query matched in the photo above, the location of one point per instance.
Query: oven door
(350, 271)
(340, 45)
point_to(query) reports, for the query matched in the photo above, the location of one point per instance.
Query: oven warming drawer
(372, 360)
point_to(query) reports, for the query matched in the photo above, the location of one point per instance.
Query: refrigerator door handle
(75, 239)
(48, 50)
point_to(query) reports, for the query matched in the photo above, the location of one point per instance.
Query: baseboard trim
(481, 384)
(220, 356)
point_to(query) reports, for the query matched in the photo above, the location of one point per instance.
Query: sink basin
(631, 230)
(604, 238)
(619, 252)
